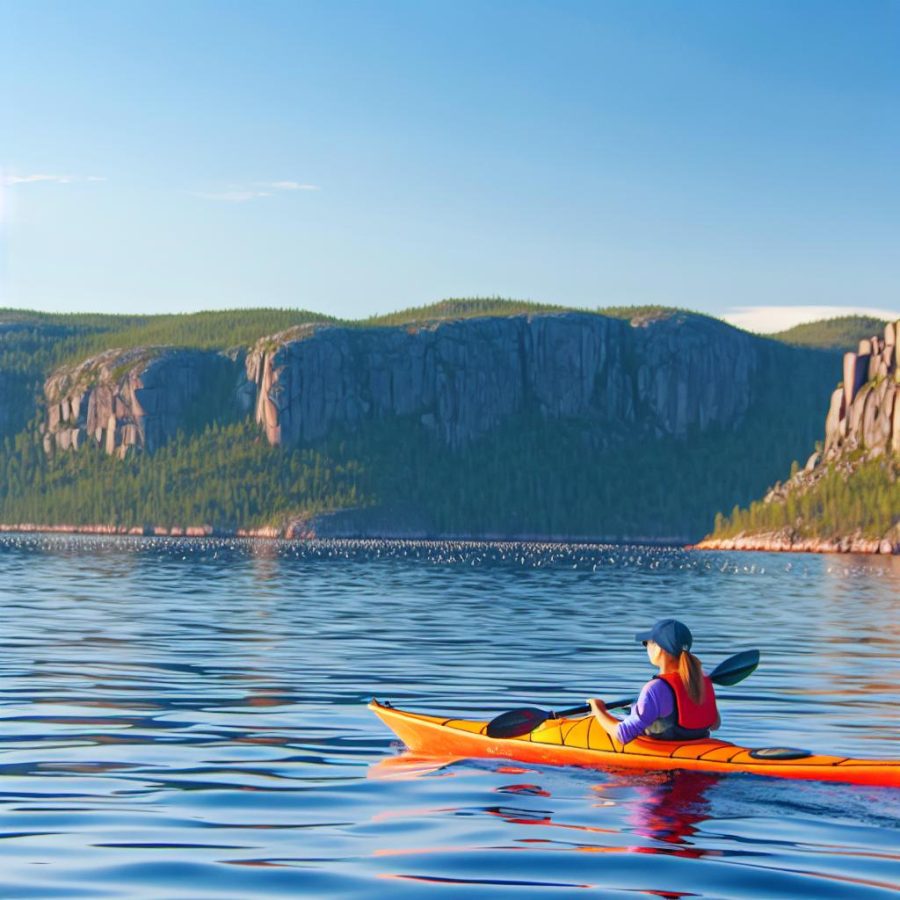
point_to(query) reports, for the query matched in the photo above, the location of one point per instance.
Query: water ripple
(186, 718)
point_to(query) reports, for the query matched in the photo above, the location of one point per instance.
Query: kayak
(582, 742)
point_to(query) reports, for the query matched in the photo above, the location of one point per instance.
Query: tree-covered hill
(474, 307)
(533, 474)
(33, 343)
(861, 499)
(210, 330)
(35, 340)
(842, 333)
(463, 308)
(530, 477)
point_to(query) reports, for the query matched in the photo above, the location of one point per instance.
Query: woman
(679, 704)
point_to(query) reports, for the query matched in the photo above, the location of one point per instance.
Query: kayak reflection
(670, 809)
(408, 765)
(667, 809)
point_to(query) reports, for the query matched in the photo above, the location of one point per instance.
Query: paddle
(517, 722)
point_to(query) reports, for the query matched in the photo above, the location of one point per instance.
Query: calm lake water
(187, 719)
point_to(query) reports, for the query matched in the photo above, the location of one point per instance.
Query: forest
(532, 476)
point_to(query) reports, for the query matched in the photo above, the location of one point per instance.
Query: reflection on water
(186, 718)
(670, 811)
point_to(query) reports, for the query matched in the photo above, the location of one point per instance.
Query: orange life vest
(690, 720)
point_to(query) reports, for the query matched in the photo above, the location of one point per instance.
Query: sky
(357, 158)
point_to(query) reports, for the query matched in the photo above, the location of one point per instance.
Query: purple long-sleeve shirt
(656, 700)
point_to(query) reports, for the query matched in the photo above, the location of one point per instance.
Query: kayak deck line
(581, 741)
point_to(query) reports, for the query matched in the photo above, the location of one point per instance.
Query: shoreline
(775, 542)
(304, 531)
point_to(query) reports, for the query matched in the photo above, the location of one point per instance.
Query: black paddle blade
(736, 668)
(516, 722)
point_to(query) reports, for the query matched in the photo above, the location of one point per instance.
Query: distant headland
(846, 499)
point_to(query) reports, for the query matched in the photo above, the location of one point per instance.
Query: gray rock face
(463, 378)
(855, 376)
(865, 411)
(134, 398)
(459, 379)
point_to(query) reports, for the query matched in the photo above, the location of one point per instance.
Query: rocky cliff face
(862, 425)
(663, 377)
(865, 412)
(863, 420)
(135, 398)
(462, 378)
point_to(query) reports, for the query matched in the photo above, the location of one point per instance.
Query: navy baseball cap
(670, 634)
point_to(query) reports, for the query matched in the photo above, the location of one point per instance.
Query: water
(187, 719)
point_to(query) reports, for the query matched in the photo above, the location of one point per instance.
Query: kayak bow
(582, 742)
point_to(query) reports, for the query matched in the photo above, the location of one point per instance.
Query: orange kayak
(582, 742)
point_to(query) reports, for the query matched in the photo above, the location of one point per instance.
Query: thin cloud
(771, 319)
(47, 179)
(290, 186)
(258, 189)
(232, 196)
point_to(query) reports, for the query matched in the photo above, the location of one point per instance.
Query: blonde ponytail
(691, 674)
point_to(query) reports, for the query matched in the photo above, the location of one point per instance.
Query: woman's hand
(607, 721)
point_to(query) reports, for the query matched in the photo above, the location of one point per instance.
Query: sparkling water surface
(186, 718)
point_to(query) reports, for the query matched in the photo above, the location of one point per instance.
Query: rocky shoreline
(780, 542)
(313, 529)
(198, 531)
(776, 542)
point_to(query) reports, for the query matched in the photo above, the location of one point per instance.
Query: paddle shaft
(517, 722)
(579, 710)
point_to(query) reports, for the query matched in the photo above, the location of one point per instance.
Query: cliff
(864, 414)
(461, 379)
(538, 423)
(138, 398)
(847, 496)
(457, 379)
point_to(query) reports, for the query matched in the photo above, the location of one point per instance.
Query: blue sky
(357, 158)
